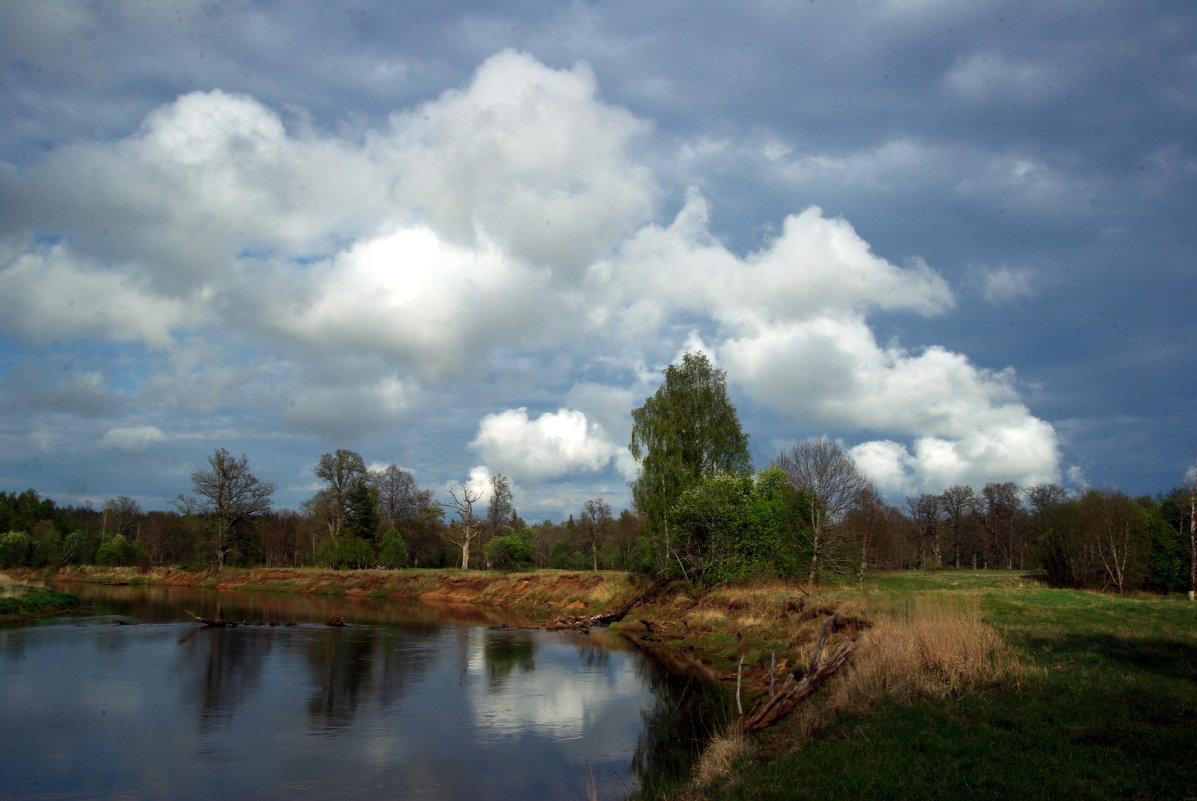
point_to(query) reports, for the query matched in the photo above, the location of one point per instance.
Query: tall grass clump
(719, 758)
(928, 645)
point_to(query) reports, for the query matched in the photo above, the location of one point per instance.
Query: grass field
(1095, 698)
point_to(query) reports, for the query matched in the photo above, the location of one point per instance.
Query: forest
(700, 513)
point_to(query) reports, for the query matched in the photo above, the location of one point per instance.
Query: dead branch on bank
(587, 622)
(795, 690)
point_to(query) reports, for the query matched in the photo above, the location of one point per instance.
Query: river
(407, 701)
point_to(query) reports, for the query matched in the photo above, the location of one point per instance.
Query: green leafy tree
(392, 553)
(688, 430)
(46, 545)
(361, 510)
(119, 552)
(14, 549)
(347, 553)
(511, 549)
(732, 528)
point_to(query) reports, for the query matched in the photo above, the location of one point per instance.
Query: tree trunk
(776, 707)
(1193, 542)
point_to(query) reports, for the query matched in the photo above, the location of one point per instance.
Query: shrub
(14, 549)
(80, 547)
(346, 553)
(119, 552)
(392, 553)
(511, 550)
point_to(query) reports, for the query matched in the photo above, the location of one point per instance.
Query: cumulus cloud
(133, 438)
(550, 446)
(49, 293)
(507, 216)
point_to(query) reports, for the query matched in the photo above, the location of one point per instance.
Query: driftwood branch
(793, 691)
(216, 623)
(585, 622)
(786, 699)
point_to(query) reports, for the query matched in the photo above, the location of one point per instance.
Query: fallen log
(587, 622)
(786, 699)
(217, 623)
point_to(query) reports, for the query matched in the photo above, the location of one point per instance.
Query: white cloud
(49, 293)
(1005, 284)
(134, 438)
(554, 444)
(967, 423)
(526, 156)
(506, 217)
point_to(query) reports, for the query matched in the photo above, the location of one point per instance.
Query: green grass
(19, 603)
(1105, 711)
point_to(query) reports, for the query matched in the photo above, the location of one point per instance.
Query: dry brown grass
(719, 758)
(928, 646)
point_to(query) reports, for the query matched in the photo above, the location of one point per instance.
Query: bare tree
(1191, 486)
(593, 527)
(468, 526)
(1117, 535)
(400, 500)
(924, 515)
(1002, 519)
(828, 476)
(231, 496)
(344, 471)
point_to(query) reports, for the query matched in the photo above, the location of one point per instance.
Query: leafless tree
(593, 527)
(924, 515)
(1191, 486)
(828, 476)
(344, 471)
(960, 507)
(1002, 519)
(231, 496)
(400, 500)
(466, 530)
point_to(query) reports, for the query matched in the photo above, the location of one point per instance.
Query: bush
(392, 553)
(346, 553)
(14, 549)
(511, 550)
(119, 552)
(80, 547)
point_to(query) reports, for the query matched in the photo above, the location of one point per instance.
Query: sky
(466, 238)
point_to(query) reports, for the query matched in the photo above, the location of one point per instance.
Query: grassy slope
(537, 595)
(19, 603)
(1105, 708)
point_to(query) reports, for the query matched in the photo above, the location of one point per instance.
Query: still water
(407, 701)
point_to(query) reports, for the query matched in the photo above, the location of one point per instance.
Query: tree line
(701, 513)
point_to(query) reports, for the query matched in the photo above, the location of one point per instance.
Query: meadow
(985, 684)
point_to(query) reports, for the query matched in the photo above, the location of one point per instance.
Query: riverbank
(965, 683)
(20, 602)
(710, 631)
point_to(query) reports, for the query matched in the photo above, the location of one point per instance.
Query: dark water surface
(407, 701)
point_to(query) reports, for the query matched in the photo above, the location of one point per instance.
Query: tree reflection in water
(686, 713)
(220, 669)
(310, 711)
(340, 667)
